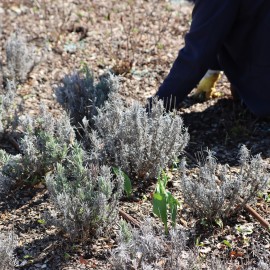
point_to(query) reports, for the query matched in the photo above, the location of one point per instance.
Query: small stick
(263, 222)
(129, 218)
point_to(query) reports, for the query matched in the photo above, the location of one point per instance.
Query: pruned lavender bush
(8, 242)
(7, 110)
(21, 58)
(141, 144)
(5, 181)
(45, 142)
(149, 248)
(216, 192)
(86, 195)
(80, 96)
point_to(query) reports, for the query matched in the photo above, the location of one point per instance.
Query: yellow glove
(206, 87)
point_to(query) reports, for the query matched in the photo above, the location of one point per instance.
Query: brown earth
(138, 40)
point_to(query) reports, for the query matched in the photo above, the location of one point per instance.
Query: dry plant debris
(138, 40)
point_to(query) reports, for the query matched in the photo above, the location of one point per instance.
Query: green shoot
(164, 202)
(127, 182)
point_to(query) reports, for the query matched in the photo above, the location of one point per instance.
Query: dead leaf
(83, 261)
(236, 254)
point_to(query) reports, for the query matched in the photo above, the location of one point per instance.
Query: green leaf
(219, 222)
(41, 221)
(127, 182)
(27, 256)
(198, 243)
(244, 229)
(227, 243)
(164, 179)
(160, 208)
(158, 196)
(66, 256)
(173, 203)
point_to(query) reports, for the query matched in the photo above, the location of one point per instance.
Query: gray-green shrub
(217, 192)
(20, 60)
(141, 144)
(86, 195)
(7, 109)
(8, 242)
(80, 96)
(45, 141)
(149, 248)
(20, 57)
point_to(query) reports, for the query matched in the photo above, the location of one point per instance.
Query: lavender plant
(7, 110)
(216, 192)
(8, 242)
(85, 194)
(5, 181)
(45, 141)
(149, 248)
(80, 96)
(21, 58)
(141, 144)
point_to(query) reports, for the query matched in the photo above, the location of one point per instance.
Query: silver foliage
(8, 242)
(45, 141)
(21, 57)
(139, 143)
(148, 248)
(216, 192)
(85, 194)
(7, 109)
(81, 96)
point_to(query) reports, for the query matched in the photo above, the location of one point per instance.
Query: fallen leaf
(236, 254)
(83, 261)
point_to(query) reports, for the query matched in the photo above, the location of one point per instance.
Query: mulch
(138, 40)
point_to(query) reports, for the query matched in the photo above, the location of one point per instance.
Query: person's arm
(211, 23)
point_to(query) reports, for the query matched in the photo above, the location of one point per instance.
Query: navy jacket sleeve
(211, 24)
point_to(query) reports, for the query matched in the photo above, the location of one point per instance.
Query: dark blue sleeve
(211, 23)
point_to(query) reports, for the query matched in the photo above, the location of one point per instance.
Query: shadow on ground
(223, 128)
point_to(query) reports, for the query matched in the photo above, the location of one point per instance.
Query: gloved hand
(206, 87)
